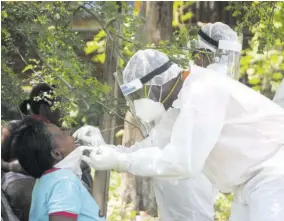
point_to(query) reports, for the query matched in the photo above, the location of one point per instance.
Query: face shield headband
(207, 39)
(137, 84)
(221, 44)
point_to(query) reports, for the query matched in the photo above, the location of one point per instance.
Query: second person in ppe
(218, 48)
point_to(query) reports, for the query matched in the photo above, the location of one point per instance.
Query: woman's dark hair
(34, 145)
(37, 91)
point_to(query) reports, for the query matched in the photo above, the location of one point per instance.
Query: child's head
(40, 145)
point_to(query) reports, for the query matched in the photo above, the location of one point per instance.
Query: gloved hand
(106, 158)
(73, 160)
(89, 135)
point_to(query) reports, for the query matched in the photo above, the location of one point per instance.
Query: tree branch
(112, 128)
(26, 63)
(63, 80)
(44, 61)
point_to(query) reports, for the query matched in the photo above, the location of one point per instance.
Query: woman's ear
(57, 155)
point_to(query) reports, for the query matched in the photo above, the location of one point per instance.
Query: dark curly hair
(34, 145)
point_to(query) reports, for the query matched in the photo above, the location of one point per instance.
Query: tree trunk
(136, 190)
(101, 184)
(129, 192)
(157, 27)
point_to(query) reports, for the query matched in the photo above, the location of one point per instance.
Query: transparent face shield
(131, 93)
(224, 61)
(203, 57)
(233, 65)
(223, 56)
(157, 97)
(232, 57)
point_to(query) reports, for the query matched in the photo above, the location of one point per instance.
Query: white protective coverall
(279, 95)
(226, 130)
(177, 199)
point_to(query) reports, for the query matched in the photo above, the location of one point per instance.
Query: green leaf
(175, 23)
(28, 67)
(277, 76)
(257, 88)
(100, 35)
(186, 17)
(57, 16)
(132, 214)
(121, 62)
(100, 58)
(4, 14)
(254, 81)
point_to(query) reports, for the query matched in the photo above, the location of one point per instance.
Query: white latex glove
(72, 161)
(106, 158)
(89, 135)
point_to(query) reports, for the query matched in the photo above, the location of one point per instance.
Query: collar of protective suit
(195, 73)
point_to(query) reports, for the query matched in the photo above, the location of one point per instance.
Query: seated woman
(42, 109)
(15, 183)
(58, 194)
(40, 106)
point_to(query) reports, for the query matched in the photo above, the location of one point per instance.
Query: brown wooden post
(101, 183)
(158, 26)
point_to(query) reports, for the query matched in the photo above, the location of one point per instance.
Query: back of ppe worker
(238, 140)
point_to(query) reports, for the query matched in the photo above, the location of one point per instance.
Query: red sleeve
(65, 214)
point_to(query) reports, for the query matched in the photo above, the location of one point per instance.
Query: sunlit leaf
(28, 67)
(277, 76)
(254, 81)
(100, 58)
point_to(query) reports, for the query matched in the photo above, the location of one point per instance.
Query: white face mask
(148, 110)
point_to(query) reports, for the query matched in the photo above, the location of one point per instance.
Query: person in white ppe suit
(177, 199)
(279, 95)
(174, 204)
(183, 199)
(222, 128)
(212, 38)
(225, 129)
